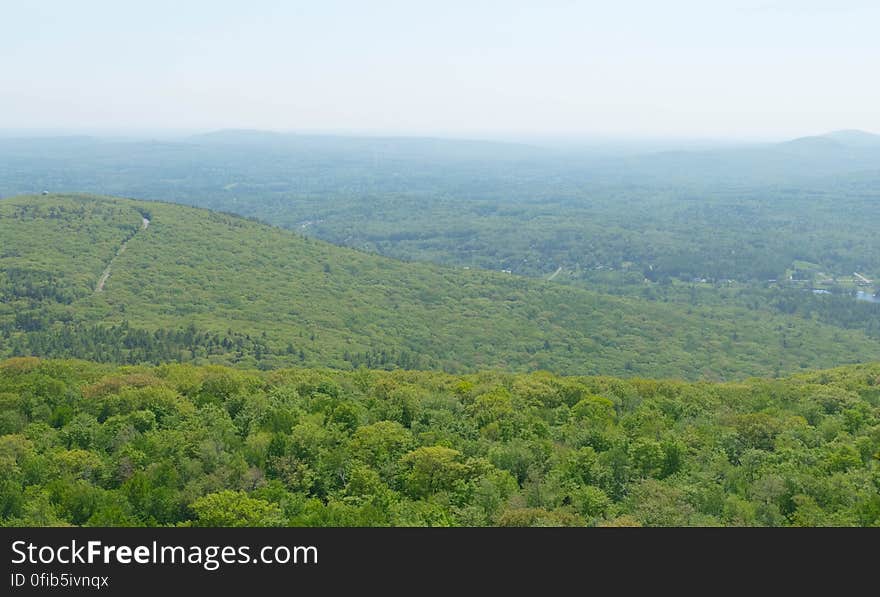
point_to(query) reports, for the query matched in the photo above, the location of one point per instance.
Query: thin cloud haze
(749, 69)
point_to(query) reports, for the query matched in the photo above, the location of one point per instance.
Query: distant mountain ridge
(198, 169)
(802, 159)
(845, 138)
(401, 147)
(856, 137)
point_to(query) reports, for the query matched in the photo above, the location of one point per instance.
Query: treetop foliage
(91, 444)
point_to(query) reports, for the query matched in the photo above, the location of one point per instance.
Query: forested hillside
(754, 227)
(90, 444)
(202, 287)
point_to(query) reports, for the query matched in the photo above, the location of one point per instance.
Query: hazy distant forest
(748, 214)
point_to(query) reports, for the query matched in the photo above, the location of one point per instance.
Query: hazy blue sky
(750, 68)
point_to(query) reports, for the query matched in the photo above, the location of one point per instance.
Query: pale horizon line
(511, 136)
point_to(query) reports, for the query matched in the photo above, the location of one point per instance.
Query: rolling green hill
(204, 287)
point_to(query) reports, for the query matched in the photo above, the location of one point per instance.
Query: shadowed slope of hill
(212, 287)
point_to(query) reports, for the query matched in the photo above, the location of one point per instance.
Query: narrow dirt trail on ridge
(106, 274)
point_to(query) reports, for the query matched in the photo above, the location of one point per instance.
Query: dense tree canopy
(90, 444)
